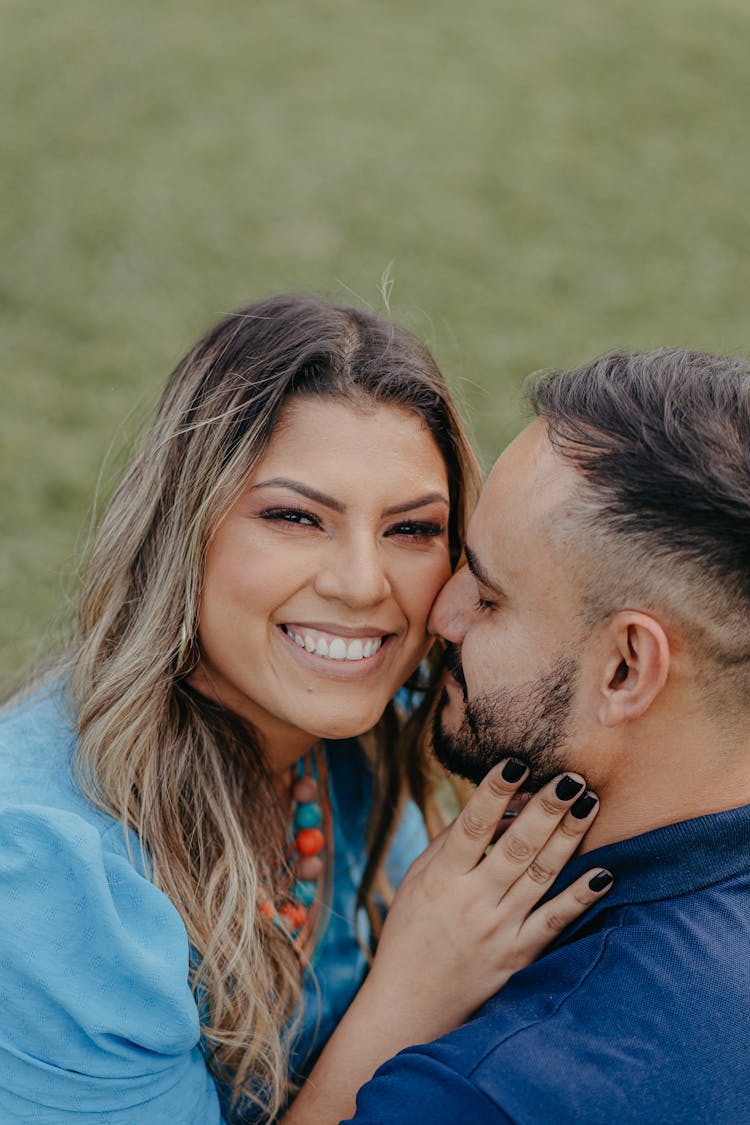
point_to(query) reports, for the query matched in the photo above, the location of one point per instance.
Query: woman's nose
(354, 575)
(451, 614)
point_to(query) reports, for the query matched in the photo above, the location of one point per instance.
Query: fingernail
(567, 787)
(513, 770)
(600, 881)
(583, 806)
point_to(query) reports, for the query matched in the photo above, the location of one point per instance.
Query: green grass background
(540, 181)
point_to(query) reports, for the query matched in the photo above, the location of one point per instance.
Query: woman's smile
(336, 643)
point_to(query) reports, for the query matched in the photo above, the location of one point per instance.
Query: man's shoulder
(536, 1000)
(627, 1020)
(481, 1071)
(623, 1021)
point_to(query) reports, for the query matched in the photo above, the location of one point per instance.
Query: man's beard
(528, 721)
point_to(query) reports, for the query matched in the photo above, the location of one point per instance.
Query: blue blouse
(97, 1021)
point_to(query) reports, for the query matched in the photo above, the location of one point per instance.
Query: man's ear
(635, 667)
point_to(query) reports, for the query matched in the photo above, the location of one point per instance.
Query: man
(602, 625)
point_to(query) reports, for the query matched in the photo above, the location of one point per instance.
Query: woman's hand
(461, 923)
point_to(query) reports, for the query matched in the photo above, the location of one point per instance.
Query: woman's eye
(417, 529)
(296, 516)
(481, 605)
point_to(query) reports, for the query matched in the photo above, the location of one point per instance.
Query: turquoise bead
(305, 891)
(308, 815)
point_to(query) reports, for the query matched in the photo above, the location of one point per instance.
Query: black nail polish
(583, 806)
(567, 787)
(513, 770)
(600, 881)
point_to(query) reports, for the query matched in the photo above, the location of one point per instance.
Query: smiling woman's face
(320, 578)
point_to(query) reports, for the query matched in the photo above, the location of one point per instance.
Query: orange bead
(310, 841)
(295, 913)
(268, 910)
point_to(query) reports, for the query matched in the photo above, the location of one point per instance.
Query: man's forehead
(527, 490)
(528, 462)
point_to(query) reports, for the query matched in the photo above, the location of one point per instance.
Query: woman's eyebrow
(304, 490)
(337, 506)
(421, 502)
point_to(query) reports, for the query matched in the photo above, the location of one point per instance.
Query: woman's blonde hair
(186, 775)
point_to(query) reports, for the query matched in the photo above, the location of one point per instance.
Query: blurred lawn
(543, 181)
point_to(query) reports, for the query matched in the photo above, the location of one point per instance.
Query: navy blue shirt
(640, 1013)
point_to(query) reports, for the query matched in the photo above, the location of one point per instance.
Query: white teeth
(338, 648)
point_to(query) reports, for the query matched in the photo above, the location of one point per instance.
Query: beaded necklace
(310, 834)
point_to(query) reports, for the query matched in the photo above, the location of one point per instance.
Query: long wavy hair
(186, 775)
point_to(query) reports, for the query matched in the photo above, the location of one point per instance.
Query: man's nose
(354, 575)
(451, 613)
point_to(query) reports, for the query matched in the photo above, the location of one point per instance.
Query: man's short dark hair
(661, 441)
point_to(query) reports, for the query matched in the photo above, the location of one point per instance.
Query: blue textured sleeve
(99, 1026)
(415, 1088)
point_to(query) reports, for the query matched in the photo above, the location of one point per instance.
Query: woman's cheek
(426, 587)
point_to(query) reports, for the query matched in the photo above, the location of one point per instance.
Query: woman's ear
(635, 667)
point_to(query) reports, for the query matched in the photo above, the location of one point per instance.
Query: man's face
(511, 618)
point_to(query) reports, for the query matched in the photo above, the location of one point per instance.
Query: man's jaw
(476, 737)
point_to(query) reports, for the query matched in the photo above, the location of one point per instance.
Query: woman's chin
(343, 727)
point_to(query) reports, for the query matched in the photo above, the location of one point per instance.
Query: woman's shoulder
(38, 719)
(70, 890)
(59, 852)
(38, 743)
(94, 974)
(73, 882)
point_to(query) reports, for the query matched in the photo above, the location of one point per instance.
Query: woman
(257, 596)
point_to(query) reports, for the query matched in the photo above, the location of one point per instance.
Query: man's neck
(665, 780)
